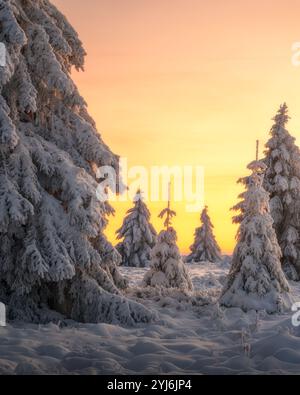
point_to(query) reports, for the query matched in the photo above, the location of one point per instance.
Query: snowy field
(187, 339)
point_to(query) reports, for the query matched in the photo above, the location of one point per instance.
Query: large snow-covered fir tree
(256, 280)
(205, 247)
(167, 267)
(137, 234)
(52, 251)
(282, 181)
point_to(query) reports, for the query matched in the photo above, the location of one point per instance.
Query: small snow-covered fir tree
(282, 181)
(205, 247)
(52, 251)
(256, 280)
(139, 236)
(167, 267)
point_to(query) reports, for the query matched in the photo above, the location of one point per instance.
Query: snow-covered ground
(188, 338)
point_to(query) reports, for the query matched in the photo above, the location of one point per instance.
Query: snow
(282, 181)
(167, 268)
(53, 255)
(205, 246)
(186, 339)
(256, 279)
(137, 234)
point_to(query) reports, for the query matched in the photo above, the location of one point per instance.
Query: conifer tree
(52, 251)
(256, 280)
(167, 268)
(138, 235)
(282, 181)
(205, 247)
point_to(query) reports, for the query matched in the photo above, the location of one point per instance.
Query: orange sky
(188, 82)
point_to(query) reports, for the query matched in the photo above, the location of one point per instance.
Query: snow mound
(199, 339)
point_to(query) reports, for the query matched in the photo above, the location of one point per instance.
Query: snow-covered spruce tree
(53, 255)
(205, 247)
(282, 181)
(167, 267)
(256, 280)
(137, 234)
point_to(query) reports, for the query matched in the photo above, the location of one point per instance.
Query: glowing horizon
(188, 82)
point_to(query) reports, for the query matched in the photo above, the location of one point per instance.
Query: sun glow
(188, 82)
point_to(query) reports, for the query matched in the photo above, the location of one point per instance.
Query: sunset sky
(188, 82)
